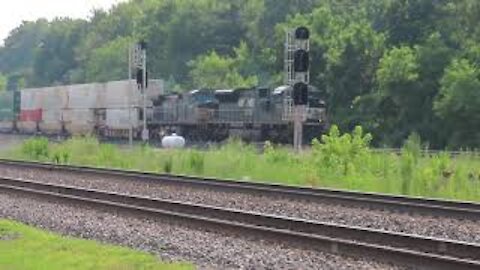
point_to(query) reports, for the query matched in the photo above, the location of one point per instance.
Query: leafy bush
(342, 153)
(36, 148)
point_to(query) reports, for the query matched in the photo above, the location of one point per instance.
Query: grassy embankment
(27, 248)
(336, 160)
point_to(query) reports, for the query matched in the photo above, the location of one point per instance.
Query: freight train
(114, 109)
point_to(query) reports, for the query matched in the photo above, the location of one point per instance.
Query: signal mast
(137, 58)
(297, 76)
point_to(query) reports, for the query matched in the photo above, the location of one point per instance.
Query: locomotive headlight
(314, 114)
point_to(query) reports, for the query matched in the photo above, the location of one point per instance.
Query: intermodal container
(81, 108)
(7, 108)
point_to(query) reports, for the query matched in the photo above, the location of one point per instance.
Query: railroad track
(403, 249)
(394, 203)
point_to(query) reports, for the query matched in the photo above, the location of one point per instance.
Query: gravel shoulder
(172, 241)
(449, 228)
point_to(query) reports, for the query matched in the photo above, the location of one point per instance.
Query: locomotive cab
(205, 105)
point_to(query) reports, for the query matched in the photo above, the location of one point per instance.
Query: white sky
(13, 12)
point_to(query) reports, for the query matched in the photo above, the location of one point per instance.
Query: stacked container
(9, 103)
(79, 109)
(79, 112)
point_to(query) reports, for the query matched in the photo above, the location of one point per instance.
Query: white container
(122, 100)
(6, 125)
(53, 100)
(29, 100)
(79, 114)
(173, 141)
(120, 119)
(28, 127)
(155, 88)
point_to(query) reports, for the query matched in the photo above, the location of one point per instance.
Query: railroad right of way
(408, 250)
(374, 211)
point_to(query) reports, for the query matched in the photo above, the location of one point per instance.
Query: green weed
(36, 148)
(336, 160)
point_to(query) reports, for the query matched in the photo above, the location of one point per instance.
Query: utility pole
(298, 77)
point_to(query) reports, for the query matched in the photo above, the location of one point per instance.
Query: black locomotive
(253, 114)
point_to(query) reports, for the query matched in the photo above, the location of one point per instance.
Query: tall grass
(335, 160)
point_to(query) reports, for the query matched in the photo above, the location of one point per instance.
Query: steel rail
(411, 250)
(396, 203)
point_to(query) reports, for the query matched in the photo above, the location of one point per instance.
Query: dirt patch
(7, 235)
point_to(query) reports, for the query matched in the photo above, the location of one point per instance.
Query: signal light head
(300, 93)
(143, 44)
(301, 61)
(302, 33)
(139, 77)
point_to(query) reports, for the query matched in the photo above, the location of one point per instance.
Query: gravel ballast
(449, 228)
(172, 241)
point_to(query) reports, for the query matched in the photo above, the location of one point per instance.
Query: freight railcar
(105, 109)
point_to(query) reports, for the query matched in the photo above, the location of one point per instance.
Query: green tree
(18, 53)
(434, 55)
(408, 81)
(216, 72)
(411, 21)
(182, 30)
(55, 61)
(109, 62)
(397, 78)
(399, 65)
(458, 103)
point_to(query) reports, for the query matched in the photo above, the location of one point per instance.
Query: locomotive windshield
(315, 100)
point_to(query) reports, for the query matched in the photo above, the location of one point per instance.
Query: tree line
(396, 67)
